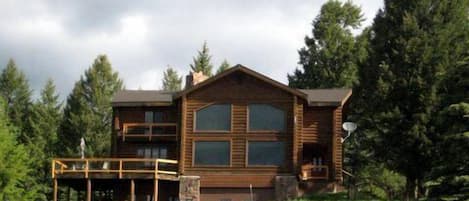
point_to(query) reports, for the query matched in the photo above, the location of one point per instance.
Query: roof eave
(136, 104)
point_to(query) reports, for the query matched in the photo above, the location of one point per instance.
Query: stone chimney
(195, 78)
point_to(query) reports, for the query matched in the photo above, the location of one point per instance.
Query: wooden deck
(119, 168)
(114, 168)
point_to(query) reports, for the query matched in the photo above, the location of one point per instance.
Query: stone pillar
(189, 188)
(286, 187)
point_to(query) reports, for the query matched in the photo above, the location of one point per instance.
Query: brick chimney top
(195, 78)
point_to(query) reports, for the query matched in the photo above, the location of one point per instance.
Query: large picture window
(215, 117)
(264, 117)
(266, 153)
(212, 153)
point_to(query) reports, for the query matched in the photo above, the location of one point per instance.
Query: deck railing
(148, 130)
(117, 166)
(311, 172)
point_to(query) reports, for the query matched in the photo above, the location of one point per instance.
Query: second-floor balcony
(149, 131)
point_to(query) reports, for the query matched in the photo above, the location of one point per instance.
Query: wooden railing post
(124, 132)
(120, 169)
(156, 168)
(86, 168)
(151, 132)
(53, 168)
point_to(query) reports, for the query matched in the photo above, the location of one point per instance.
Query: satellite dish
(349, 127)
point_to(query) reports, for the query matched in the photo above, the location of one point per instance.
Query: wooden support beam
(88, 190)
(183, 134)
(155, 190)
(56, 185)
(68, 193)
(132, 190)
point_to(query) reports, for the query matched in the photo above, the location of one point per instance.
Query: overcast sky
(60, 38)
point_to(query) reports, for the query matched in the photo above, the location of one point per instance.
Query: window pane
(266, 153)
(266, 117)
(158, 117)
(148, 117)
(214, 117)
(212, 153)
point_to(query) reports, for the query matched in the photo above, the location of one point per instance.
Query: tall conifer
(88, 112)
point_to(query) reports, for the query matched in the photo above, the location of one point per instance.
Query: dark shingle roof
(327, 97)
(142, 98)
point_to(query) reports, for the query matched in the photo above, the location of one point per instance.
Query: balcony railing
(118, 167)
(149, 131)
(311, 172)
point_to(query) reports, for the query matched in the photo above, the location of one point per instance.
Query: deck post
(88, 190)
(55, 189)
(132, 190)
(155, 190)
(68, 193)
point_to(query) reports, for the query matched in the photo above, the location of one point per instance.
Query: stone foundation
(286, 187)
(189, 188)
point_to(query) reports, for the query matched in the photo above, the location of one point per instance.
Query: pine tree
(451, 171)
(329, 59)
(88, 111)
(14, 89)
(224, 66)
(202, 61)
(14, 168)
(45, 119)
(412, 46)
(171, 80)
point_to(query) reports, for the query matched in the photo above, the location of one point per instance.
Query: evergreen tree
(450, 172)
(329, 59)
(224, 66)
(88, 112)
(44, 121)
(14, 168)
(202, 61)
(171, 80)
(14, 89)
(412, 45)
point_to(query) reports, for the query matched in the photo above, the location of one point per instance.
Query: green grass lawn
(332, 197)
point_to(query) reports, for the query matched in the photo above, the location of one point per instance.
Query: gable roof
(327, 97)
(314, 97)
(142, 98)
(241, 68)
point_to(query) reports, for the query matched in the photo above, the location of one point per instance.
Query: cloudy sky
(60, 38)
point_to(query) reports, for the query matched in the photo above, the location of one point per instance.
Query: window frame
(285, 120)
(194, 119)
(229, 140)
(246, 157)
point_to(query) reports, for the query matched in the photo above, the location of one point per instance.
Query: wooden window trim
(194, 119)
(193, 165)
(246, 156)
(248, 130)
